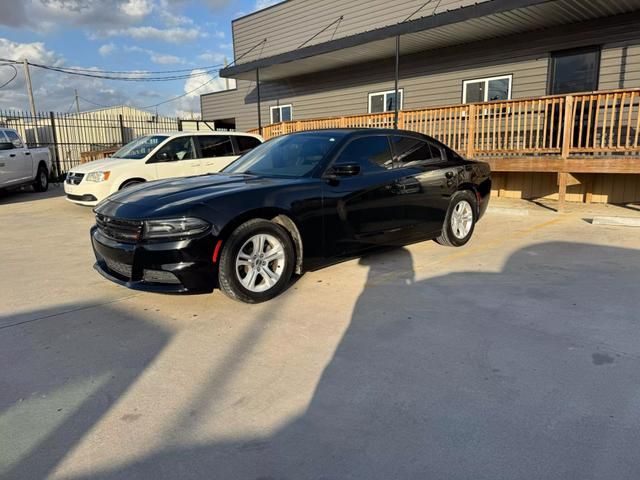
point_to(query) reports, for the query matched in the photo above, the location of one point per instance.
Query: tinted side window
(181, 148)
(216, 146)
(412, 151)
(246, 143)
(368, 152)
(14, 138)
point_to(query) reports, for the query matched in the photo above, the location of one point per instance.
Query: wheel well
(129, 180)
(42, 163)
(473, 189)
(280, 217)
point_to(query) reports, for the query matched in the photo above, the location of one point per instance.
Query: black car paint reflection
(340, 205)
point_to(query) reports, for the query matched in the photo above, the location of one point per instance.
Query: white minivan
(154, 157)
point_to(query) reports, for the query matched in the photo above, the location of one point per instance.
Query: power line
(183, 95)
(15, 74)
(133, 76)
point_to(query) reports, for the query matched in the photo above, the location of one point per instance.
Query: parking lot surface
(516, 357)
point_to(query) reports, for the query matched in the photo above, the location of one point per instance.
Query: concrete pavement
(515, 357)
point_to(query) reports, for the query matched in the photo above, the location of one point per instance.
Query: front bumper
(168, 267)
(86, 193)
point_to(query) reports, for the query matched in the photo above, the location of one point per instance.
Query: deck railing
(582, 124)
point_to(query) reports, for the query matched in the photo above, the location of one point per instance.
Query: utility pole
(27, 76)
(77, 102)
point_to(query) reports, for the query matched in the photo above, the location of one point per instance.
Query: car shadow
(528, 372)
(28, 195)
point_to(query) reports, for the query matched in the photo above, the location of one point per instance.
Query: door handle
(27, 153)
(12, 154)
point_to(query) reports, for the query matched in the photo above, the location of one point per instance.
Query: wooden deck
(588, 133)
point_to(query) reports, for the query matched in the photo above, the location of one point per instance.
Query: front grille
(128, 231)
(74, 178)
(119, 268)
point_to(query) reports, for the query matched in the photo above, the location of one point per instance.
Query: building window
(380, 102)
(281, 113)
(487, 89)
(574, 71)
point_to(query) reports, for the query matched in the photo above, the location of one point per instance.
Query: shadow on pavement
(530, 372)
(27, 195)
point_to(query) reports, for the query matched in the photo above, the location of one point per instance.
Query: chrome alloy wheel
(462, 219)
(260, 262)
(43, 179)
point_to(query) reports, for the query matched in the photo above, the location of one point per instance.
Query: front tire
(41, 183)
(257, 262)
(460, 221)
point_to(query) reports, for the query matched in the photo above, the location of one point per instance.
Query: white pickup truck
(20, 165)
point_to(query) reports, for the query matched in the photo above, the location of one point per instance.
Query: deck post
(567, 136)
(471, 131)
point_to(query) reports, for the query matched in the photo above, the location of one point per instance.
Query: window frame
(194, 145)
(551, 67)
(199, 150)
(236, 144)
(376, 168)
(486, 80)
(385, 93)
(280, 107)
(432, 146)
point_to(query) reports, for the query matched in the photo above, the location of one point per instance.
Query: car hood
(105, 164)
(176, 192)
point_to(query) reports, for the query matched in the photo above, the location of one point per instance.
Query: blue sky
(131, 35)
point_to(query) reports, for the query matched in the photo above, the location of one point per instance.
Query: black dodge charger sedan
(293, 203)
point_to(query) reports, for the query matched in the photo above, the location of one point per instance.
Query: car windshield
(140, 147)
(288, 156)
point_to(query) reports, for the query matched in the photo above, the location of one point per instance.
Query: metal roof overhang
(496, 18)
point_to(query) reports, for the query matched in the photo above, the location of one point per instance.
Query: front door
(13, 164)
(177, 158)
(368, 208)
(216, 152)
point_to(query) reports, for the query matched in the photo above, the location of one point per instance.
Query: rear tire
(257, 262)
(460, 221)
(41, 183)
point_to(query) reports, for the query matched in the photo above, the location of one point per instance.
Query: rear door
(177, 158)
(427, 180)
(216, 152)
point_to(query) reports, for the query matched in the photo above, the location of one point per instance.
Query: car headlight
(174, 227)
(97, 176)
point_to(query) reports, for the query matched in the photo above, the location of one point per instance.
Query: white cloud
(54, 91)
(137, 8)
(170, 35)
(156, 57)
(212, 57)
(190, 104)
(46, 15)
(107, 49)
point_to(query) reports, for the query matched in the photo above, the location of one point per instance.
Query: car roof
(353, 132)
(206, 132)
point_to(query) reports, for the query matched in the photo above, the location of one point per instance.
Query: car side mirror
(346, 170)
(6, 146)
